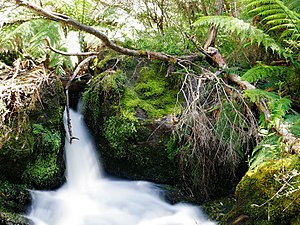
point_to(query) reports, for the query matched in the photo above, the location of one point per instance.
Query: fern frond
(81, 10)
(264, 71)
(255, 95)
(244, 29)
(276, 16)
(266, 150)
(294, 122)
(277, 105)
(293, 5)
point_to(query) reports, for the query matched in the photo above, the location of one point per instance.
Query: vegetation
(226, 117)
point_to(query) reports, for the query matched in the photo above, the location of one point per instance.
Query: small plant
(47, 138)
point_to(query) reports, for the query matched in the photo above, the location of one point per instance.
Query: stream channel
(90, 198)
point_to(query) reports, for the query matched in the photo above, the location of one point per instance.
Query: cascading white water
(88, 198)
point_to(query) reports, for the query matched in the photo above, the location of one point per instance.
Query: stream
(90, 198)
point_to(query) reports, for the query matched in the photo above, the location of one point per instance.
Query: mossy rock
(217, 209)
(142, 155)
(14, 197)
(269, 194)
(7, 218)
(25, 146)
(130, 113)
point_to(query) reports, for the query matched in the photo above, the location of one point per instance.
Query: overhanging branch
(106, 41)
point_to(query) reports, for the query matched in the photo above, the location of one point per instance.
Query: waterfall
(90, 198)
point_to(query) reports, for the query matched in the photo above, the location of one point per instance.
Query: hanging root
(216, 129)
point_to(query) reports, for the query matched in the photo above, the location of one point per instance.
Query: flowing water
(90, 198)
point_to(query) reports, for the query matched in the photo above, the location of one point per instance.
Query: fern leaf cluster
(264, 71)
(243, 29)
(276, 16)
(278, 106)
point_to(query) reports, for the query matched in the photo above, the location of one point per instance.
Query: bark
(213, 30)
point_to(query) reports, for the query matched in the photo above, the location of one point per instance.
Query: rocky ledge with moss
(130, 106)
(268, 194)
(32, 136)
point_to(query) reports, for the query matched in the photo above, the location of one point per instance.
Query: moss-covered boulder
(130, 109)
(32, 152)
(32, 137)
(269, 194)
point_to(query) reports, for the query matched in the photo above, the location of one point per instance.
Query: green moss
(270, 193)
(19, 144)
(41, 172)
(119, 130)
(152, 93)
(13, 197)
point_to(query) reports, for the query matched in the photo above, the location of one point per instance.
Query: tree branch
(106, 41)
(77, 70)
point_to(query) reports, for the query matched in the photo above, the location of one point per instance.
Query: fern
(264, 71)
(27, 40)
(293, 5)
(244, 30)
(277, 105)
(255, 95)
(267, 149)
(81, 10)
(277, 17)
(294, 121)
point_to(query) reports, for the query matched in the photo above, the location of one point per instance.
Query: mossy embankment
(32, 138)
(131, 107)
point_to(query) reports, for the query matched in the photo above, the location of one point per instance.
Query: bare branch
(77, 70)
(106, 41)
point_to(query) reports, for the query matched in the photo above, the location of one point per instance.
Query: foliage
(294, 121)
(172, 147)
(276, 18)
(170, 42)
(212, 126)
(152, 94)
(270, 148)
(14, 198)
(229, 124)
(119, 130)
(47, 138)
(278, 106)
(262, 72)
(244, 30)
(41, 171)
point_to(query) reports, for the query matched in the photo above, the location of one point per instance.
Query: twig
(77, 70)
